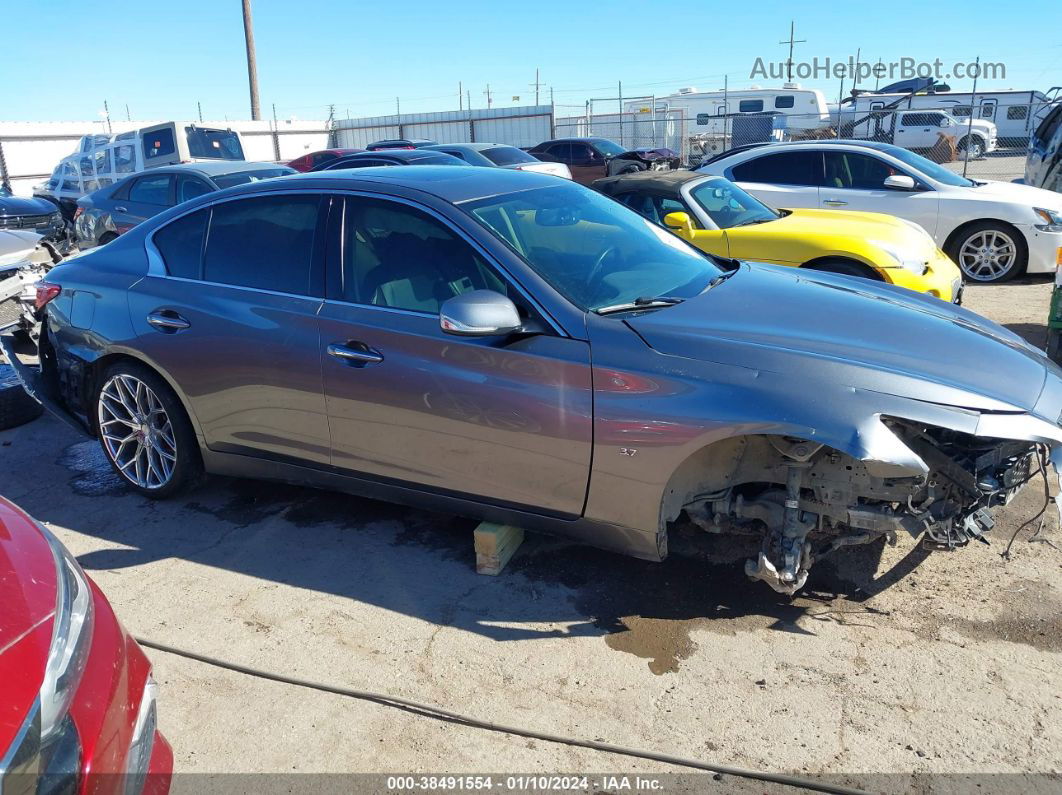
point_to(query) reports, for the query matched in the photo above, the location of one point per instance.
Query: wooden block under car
(495, 546)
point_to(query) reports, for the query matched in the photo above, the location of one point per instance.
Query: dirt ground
(941, 663)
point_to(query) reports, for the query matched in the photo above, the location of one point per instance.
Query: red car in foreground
(77, 701)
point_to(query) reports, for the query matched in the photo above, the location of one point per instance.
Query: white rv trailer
(101, 160)
(1015, 113)
(707, 111)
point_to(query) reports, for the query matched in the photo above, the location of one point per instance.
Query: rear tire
(144, 431)
(972, 147)
(16, 406)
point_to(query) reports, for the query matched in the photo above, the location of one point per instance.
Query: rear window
(244, 177)
(181, 244)
(783, 168)
(507, 156)
(159, 143)
(262, 242)
(213, 144)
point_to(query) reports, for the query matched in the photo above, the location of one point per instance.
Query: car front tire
(989, 252)
(144, 431)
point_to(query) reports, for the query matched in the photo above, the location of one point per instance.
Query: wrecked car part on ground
(17, 280)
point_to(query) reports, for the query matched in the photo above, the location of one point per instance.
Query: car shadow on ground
(422, 564)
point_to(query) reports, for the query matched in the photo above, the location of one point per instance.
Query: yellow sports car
(719, 217)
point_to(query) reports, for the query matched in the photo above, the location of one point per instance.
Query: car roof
(214, 168)
(454, 184)
(825, 143)
(473, 146)
(577, 139)
(409, 155)
(661, 181)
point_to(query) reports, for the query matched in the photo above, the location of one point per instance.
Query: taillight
(45, 293)
(78, 211)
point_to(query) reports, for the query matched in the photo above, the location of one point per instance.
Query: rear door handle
(834, 202)
(358, 356)
(167, 320)
(121, 209)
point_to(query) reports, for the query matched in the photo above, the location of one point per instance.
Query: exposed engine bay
(808, 500)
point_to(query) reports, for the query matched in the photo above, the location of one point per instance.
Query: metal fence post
(5, 178)
(969, 125)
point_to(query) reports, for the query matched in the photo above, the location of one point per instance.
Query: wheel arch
(955, 233)
(94, 370)
(715, 465)
(869, 268)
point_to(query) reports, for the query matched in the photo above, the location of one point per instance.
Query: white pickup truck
(920, 130)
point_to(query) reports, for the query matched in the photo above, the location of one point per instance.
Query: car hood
(853, 332)
(16, 245)
(27, 604)
(1019, 194)
(887, 229)
(17, 205)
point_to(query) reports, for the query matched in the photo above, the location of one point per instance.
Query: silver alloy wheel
(136, 432)
(988, 255)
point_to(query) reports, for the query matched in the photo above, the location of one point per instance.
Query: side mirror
(900, 182)
(679, 222)
(479, 313)
(945, 122)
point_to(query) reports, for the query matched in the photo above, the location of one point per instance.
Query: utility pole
(969, 126)
(276, 135)
(107, 114)
(855, 73)
(877, 75)
(536, 85)
(398, 107)
(127, 116)
(200, 107)
(468, 96)
(489, 100)
(619, 99)
(460, 96)
(791, 41)
(252, 68)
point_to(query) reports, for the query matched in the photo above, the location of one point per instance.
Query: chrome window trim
(157, 267)
(686, 192)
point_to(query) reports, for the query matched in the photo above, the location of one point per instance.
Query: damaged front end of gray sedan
(883, 415)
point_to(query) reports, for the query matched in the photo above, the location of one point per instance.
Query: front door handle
(358, 356)
(834, 202)
(167, 320)
(121, 209)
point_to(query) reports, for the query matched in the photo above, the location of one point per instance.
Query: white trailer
(708, 112)
(1015, 113)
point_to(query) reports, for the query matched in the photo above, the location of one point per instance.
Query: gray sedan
(103, 215)
(501, 156)
(519, 348)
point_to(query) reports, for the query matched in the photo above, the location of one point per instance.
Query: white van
(805, 109)
(103, 159)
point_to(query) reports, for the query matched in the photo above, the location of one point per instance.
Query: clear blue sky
(63, 58)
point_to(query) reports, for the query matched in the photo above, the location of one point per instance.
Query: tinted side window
(190, 187)
(159, 143)
(152, 190)
(181, 244)
(399, 257)
(859, 172)
(322, 157)
(750, 106)
(783, 168)
(264, 242)
(784, 102)
(563, 152)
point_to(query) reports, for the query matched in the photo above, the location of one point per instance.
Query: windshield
(244, 177)
(929, 168)
(507, 156)
(213, 144)
(592, 250)
(728, 205)
(608, 148)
